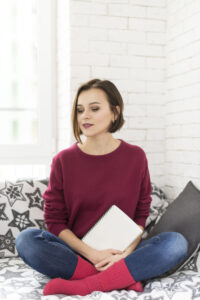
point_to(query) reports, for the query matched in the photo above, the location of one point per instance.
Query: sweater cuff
(141, 221)
(56, 228)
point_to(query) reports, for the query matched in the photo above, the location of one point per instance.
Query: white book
(113, 230)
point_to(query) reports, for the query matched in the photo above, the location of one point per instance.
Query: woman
(85, 180)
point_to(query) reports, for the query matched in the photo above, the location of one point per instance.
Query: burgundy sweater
(82, 187)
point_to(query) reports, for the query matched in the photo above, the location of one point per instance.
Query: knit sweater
(82, 187)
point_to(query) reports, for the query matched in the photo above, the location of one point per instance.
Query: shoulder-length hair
(114, 98)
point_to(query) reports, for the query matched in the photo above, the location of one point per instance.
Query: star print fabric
(21, 206)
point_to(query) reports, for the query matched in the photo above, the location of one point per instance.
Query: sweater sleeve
(55, 211)
(143, 206)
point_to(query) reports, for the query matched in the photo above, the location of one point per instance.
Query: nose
(84, 117)
(86, 114)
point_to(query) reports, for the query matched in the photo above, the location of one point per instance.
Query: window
(27, 90)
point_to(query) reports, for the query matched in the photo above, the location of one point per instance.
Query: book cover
(113, 230)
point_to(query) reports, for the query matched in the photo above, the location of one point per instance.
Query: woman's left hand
(106, 263)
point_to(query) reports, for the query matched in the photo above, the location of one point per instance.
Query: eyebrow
(89, 103)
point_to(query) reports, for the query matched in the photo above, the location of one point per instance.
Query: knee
(181, 245)
(25, 239)
(176, 246)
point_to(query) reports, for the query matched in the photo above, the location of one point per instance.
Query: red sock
(83, 269)
(116, 276)
(138, 287)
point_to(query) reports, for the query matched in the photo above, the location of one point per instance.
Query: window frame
(46, 146)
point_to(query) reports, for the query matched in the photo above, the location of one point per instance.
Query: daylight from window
(18, 72)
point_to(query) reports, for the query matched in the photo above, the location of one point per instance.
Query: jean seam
(53, 242)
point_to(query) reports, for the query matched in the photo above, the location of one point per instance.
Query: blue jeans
(49, 255)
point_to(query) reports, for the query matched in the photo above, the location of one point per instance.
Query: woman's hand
(97, 256)
(106, 263)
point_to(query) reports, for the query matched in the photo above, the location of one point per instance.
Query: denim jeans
(49, 255)
(157, 255)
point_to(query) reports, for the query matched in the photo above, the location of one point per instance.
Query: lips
(87, 125)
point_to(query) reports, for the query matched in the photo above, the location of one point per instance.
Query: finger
(102, 268)
(105, 267)
(102, 263)
(115, 251)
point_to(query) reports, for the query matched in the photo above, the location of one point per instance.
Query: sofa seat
(21, 206)
(20, 282)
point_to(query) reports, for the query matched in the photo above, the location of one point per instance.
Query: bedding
(21, 206)
(20, 282)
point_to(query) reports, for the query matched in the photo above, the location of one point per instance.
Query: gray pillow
(183, 216)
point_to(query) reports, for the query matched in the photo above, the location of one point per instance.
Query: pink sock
(138, 287)
(116, 276)
(83, 269)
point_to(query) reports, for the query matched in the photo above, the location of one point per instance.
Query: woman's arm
(93, 255)
(75, 243)
(55, 210)
(144, 202)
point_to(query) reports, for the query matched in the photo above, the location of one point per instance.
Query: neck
(100, 146)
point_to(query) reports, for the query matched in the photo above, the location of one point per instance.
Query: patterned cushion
(21, 206)
(158, 206)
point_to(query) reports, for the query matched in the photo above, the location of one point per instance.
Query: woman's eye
(93, 109)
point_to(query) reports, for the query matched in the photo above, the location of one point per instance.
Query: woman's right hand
(98, 255)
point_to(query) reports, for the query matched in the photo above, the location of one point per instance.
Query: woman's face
(93, 108)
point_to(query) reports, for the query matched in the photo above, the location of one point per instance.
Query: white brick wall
(124, 41)
(182, 105)
(128, 42)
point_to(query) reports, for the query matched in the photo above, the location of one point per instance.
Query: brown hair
(114, 98)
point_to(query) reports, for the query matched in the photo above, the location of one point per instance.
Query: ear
(118, 109)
